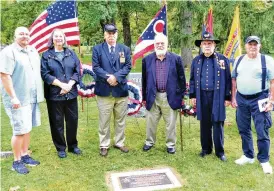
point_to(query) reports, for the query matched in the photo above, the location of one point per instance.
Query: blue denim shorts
(24, 118)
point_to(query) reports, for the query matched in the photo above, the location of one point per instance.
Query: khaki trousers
(161, 108)
(107, 106)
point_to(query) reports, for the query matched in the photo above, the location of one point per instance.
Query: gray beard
(160, 52)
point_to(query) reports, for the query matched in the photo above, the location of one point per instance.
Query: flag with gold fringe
(233, 45)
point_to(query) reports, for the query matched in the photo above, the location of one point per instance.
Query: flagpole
(77, 25)
(79, 46)
(164, 3)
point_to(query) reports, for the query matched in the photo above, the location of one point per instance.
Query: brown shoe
(104, 152)
(123, 149)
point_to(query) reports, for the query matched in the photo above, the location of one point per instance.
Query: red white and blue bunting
(187, 110)
(134, 98)
(86, 90)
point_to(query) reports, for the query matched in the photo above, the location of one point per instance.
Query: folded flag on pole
(62, 15)
(207, 25)
(209, 21)
(233, 45)
(145, 42)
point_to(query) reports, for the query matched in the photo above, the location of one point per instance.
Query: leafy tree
(126, 10)
(15, 14)
(134, 17)
(131, 17)
(93, 15)
(256, 18)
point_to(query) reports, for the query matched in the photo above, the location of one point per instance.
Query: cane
(181, 129)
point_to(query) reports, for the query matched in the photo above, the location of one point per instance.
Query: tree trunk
(102, 23)
(187, 56)
(186, 46)
(126, 29)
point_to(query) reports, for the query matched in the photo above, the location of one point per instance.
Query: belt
(161, 91)
(253, 95)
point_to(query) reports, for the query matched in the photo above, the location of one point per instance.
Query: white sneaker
(244, 160)
(267, 168)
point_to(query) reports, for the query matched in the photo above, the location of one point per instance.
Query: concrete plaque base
(6, 154)
(158, 179)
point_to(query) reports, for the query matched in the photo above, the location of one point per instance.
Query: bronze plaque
(144, 180)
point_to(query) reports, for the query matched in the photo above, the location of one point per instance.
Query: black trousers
(206, 125)
(58, 111)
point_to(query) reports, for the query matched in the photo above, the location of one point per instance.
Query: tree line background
(184, 20)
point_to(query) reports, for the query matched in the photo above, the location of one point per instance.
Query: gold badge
(122, 57)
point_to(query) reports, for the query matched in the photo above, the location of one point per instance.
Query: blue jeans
(246, 109)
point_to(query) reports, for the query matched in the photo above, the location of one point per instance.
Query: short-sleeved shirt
(23, 65)
(249, 74)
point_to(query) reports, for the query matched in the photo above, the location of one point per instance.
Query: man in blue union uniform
(210, 92)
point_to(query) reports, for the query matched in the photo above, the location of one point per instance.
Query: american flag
(145, 42)
(62, 15)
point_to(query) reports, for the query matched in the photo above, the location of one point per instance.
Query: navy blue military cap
(253, 39)
(110, 28)
(206, 36)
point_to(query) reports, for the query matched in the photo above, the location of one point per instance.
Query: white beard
(160, 52)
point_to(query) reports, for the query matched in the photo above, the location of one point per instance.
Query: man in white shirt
(253, 80)
(21, 91)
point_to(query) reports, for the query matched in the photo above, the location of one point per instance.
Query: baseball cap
(110, 28)
(253, 38)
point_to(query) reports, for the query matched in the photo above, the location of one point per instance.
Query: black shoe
(75, 150)
(104, 152)
(62, 154)
(171, 150)
(147, 147)
(223, 158)
(203, 154)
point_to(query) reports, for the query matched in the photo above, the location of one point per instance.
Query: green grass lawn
(88, 171)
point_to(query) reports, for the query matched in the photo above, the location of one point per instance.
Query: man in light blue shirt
(251, 82)
(21, 92)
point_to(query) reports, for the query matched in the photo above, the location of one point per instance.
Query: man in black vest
(250, 83)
